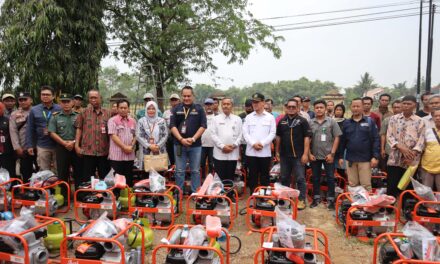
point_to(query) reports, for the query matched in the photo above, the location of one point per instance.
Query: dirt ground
(342, 250)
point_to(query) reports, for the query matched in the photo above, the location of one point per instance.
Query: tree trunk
(159, 94)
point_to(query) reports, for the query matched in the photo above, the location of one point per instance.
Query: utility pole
(420, 54)
(430, 45)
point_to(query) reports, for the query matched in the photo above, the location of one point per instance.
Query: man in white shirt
(226, 135)
(301, 113)
(259, 131)
(207, 143)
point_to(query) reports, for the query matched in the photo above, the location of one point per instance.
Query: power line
(354, 16)
(351, 22)
(343, 10)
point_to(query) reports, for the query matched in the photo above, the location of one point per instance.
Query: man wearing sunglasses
(292, 148)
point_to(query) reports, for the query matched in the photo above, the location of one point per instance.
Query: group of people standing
(90, 141)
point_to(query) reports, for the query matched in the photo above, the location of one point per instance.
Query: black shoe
(315, 202)
(331, 205)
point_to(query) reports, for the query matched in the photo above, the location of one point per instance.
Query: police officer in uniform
(62, 131)
(17, 130)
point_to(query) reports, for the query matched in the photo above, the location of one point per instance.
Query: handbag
(156, 162)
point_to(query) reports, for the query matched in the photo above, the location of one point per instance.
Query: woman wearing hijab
(151, 132)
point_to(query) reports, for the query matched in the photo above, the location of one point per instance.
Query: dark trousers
(225, 168)
(124, 167)
(393, 178)
(7, 161)
(27, 163)
(93, 163)
(207, 154)
(329, 173)
(383, 163)
(289, 166)
(258, 172)
(66, 159)
(170, 150)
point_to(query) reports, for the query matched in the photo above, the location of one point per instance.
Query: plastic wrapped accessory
(423, 243)
(196, 237)
(157, 182)
(291, 233)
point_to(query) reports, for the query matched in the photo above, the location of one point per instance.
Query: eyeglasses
(291, 107)
(22, 99)
(46, 94)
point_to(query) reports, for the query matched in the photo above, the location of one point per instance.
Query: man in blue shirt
(37, 135)
(188, 122)
(361, 140)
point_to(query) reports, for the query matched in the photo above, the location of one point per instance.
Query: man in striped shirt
(121, 129)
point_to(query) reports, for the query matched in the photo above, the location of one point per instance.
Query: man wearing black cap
(259, 131)
(61, 129)
(17, 130)
(306, 107)
(247, 109)
(406, 137)
(78, 103)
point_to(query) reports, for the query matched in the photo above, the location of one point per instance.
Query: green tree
(178, 37)
(364, 84)
(54, 42)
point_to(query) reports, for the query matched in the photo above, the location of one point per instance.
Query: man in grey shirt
(325, 141)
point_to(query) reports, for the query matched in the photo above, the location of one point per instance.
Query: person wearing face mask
(151, 132)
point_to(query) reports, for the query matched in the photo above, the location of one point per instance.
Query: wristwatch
(193, 139)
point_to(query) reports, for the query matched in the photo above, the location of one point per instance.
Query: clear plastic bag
(423, 243)
(157, 182)
(276, 170)
(120, 181)
(291, 233)
(25, 221)
(102, 228)
(238, 169)
(282, 191)
(196, 237)
(109, 179)
(359, 195)
(215, 187)
(4, 177)
(42, 178)
(424, 192)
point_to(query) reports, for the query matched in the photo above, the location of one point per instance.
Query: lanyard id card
(2, 139)
(183, 128)
(103, 131)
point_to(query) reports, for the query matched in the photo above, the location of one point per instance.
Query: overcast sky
(387, 49)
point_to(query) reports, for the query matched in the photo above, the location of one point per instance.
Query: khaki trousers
(45, 158)
(359, 173)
